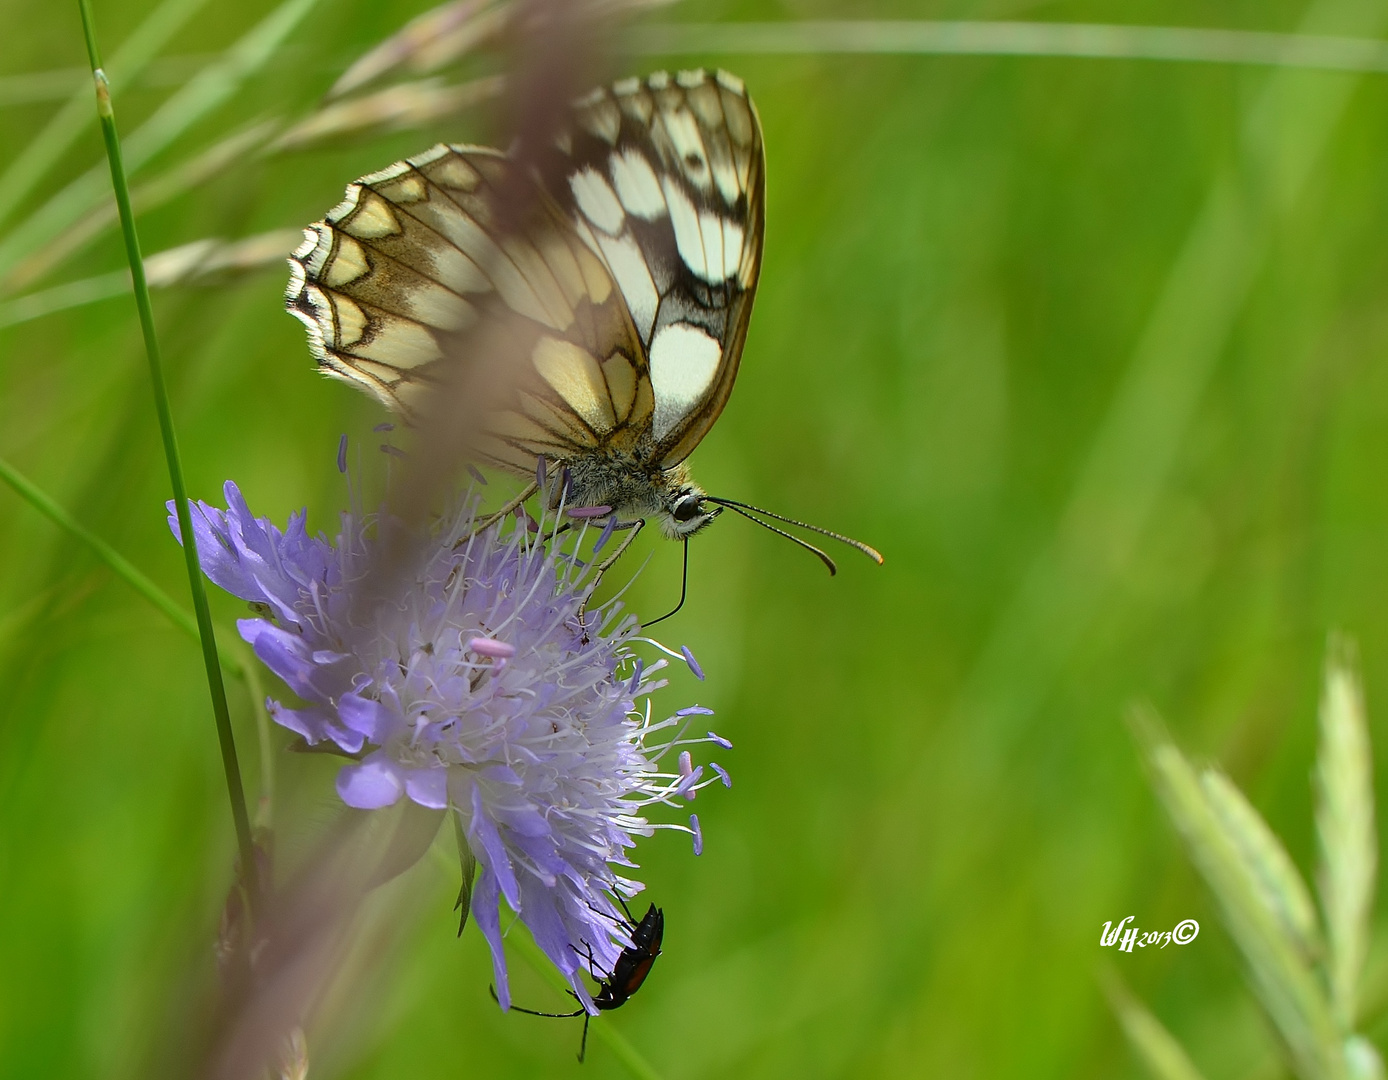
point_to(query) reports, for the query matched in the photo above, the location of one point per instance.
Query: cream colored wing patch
(664, 179)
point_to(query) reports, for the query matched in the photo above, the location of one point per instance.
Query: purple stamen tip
(695, 710)
(724, 743)
(540, 472)
(722, 773)
(698, 834)
(589, 511)
(383, 427)
(393, 451)
(636, 675)
(688, 787)
(497, 650)
(342, 453)
(606, 534)
(476, 474)
(568, 483)
(693, 664)
(686, 764)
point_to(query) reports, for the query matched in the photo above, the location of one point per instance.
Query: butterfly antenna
(737, 509)
(871, 552)
(684, 585)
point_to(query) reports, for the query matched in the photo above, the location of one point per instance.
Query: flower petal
(428, 787)
(369, 718)
(482, 833)
(371, 784)
(486, 913)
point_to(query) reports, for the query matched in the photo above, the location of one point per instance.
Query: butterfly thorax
(640, 491)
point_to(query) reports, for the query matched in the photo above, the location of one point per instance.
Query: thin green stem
(206, 634)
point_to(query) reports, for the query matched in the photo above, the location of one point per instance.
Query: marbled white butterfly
(632, 282)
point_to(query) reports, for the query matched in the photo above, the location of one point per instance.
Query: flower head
(481, 687)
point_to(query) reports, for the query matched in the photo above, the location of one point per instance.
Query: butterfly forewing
(413, 256)
(665, 178)
(622, 292)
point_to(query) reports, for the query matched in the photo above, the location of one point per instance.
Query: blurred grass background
(1092, 350)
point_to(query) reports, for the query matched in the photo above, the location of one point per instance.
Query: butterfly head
(684, 510)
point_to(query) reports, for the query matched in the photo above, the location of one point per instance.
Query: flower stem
(220, 712)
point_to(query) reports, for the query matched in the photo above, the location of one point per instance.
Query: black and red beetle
(628, 973)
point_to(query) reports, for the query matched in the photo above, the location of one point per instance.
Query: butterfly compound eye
(687, 509)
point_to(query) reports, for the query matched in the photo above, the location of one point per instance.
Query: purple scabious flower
(482, 688)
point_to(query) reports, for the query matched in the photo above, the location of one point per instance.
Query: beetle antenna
(742, 508)
(534, 1012)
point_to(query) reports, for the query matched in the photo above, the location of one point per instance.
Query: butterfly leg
(635, 527)
(606, 564)
(491, 519)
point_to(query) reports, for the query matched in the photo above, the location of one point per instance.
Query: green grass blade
(234, 659)
(1157, 1049)
(188, 263)
(1345, 827)
(211, 663)
(47, 148)
(199, 97)
(196, 261)
(1269, 867)
(114, 560)
(207, 164)
(1286, 984)
(1099, 41)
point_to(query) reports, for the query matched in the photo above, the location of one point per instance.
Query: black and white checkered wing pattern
(416, 256)
(623, 291)
(665, 179)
